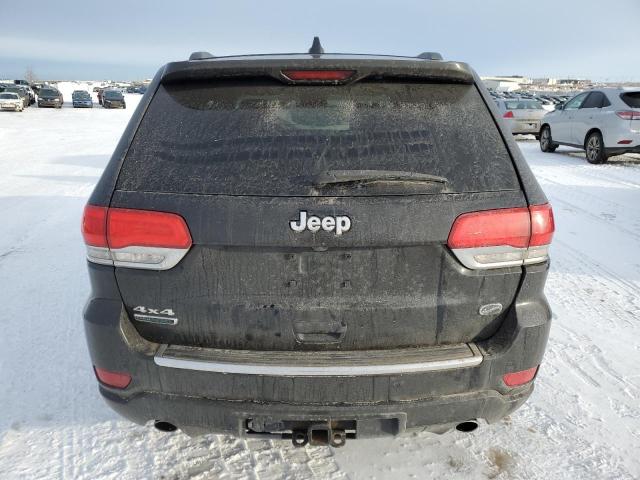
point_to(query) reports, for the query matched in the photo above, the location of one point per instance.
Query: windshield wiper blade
(334, 177)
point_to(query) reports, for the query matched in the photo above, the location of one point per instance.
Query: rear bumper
(113, 104)
(197, 415)
(623, 150)
(200, 400)
(524, 128)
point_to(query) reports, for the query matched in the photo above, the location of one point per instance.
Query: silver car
(522, 115)
(11, 101)
(603, 122)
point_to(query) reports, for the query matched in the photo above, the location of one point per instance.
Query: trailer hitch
(320, 434)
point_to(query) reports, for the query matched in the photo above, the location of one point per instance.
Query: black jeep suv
(318, 247)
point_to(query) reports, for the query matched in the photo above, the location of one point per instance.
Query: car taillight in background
(629, 114)
(504, 237)
(134, 238)
(509, 114)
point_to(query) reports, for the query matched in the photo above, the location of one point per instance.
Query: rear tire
(594, 149)
(546, 141)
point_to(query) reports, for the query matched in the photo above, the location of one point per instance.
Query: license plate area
(327, 431)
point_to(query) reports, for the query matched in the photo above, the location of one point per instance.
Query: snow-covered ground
(582, 422)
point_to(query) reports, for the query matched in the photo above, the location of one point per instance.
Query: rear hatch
(240, 159)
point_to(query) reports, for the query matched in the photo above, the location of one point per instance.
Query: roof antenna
(316, 48)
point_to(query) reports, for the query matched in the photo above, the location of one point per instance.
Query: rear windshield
(523, 105)
(632, 99)
(8, 96)
(259, 137)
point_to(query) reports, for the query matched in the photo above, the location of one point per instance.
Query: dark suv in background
(113, 99)
(50, 97)
(317, 247)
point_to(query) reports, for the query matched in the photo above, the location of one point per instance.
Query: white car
(603, 122)
(522, 115)
(11, 101)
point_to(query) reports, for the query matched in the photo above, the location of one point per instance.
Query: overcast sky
(70, 39)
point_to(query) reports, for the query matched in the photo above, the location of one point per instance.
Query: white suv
(603, 122)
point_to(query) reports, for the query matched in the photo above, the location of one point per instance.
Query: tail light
(515, 379)
(629, 114)
(509, 114)
(134, 238)
(318, 75)
(503, 238)
(112, 379)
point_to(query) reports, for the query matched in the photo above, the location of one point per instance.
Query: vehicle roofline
(310, 55)
(271, 66)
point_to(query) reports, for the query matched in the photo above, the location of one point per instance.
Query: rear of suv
(603, 122)
(318, 247)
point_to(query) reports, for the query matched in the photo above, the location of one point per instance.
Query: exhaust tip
(165, 426)
(467, 427)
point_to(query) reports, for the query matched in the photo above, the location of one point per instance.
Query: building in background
(505, 84)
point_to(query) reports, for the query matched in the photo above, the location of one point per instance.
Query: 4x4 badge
(340, 223)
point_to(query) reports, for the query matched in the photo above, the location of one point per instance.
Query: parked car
(521, 115)
(113, 99)
(81, 99)
(316, 248)
(11, 101)
(603, 122)
(21, 92)
(50, 97)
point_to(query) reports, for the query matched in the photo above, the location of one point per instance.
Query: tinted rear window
(260, 137)
(632, 99)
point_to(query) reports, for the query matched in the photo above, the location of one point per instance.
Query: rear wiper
(334, 177)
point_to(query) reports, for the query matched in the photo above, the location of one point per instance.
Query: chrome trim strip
(344, 370)
(155, 319)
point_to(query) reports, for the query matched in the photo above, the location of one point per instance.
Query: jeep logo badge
(340, 223)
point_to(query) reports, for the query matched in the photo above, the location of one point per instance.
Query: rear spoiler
(371, 68)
